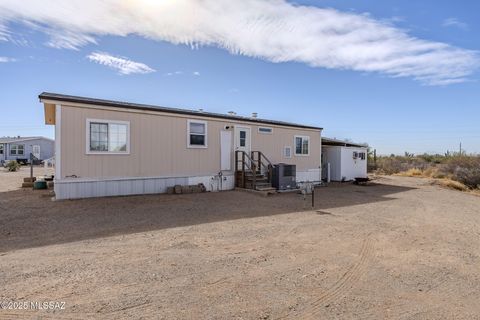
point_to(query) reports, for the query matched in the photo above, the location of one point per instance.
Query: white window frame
(263, 132)
(295, 146)
(16, 154)
(2, 149)
(285, 152)
(196, 146)
(109, 122)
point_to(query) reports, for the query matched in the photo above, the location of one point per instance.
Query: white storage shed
(343, 160)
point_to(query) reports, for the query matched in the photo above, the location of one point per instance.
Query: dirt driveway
(400, 249)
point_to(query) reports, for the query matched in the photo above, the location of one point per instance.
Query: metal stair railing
(250, 164)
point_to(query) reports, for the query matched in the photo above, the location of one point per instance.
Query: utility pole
(460, 148)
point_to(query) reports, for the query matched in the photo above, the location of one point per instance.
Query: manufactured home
(107, 148)
(343, 160)
(20, 148)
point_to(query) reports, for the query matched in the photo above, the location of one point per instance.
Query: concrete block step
(266, 189)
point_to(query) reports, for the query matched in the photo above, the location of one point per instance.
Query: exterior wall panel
(353, 168)
(158, 146)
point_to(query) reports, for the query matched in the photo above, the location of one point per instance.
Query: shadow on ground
(30, 219)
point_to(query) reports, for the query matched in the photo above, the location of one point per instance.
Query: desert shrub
(390, 165)
(431, 171)
(438, 175)
(397, 164)
(13, 166)
(465, 169)
(432, 158)
(468, 176)
(413, 172)
(458, 167)
(453, 184)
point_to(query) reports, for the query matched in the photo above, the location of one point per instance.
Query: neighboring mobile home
(20, 148)
(106, 148)
(343, 160)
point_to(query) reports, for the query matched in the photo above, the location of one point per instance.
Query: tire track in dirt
(344, 285)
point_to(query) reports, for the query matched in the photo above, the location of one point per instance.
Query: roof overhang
(51, 99)
(342, 143)
(49, 113)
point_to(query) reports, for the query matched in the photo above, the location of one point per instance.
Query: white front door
(242, 141)
(36, 151)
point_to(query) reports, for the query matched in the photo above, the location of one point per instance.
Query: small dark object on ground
(361, 181)
(320, 212)
(40, 185)
(23, 161)
(28, 179)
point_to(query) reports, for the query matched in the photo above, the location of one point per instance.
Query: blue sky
(249, 68)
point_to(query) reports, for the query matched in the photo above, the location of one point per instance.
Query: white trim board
(58, 142)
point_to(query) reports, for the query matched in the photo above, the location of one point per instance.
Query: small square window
(287, 152)
(197, 133)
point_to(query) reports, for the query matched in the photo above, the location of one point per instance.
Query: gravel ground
(398, 249)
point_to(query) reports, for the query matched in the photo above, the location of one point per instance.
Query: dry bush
(430, 172)
(460, 168)
(464, 169)
(453, 184)
(397, 164)
(13, 166)
(414, 172)
(389, 165)
(468, 176)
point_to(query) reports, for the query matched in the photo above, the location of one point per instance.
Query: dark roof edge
(146, 107)
(337, 142)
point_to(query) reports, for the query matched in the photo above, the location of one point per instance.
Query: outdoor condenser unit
(284, 176)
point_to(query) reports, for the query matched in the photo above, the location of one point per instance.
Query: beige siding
(158, 146)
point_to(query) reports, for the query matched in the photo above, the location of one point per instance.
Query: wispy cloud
(454, 22)
(4, 33)
(7, 59)
(176, 73)
(196, 73)
(272, 30)
(121, 64)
